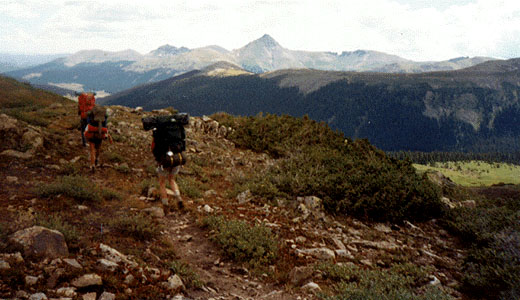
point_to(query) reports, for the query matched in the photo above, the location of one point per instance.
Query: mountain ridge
(261, 55)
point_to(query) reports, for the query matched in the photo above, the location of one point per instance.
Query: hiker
(168, 145)
(95, 132)
(86, 102)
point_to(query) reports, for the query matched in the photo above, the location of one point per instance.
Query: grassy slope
(476, 173)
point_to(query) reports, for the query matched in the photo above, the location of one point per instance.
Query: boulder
(107, 296)
(174, 283)
(300, 274)
(38, 296)
(41, 242)
(87, 280)
(318, 253)
(311, 287)
(155, 211)
(244, 197)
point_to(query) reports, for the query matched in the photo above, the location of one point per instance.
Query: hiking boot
(92, 169)
(180, 204)
(97, 162)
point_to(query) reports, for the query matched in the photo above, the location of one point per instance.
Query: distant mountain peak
(168, 50)
(266, 41)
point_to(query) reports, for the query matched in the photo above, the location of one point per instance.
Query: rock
(311, 287)
(87, 280)
(383, 228)
(339, 244)
(434, 280)
(38, 296)
(12, 257)
(115, 256)
(67, 292)
(344, 254)
(11, 179)
(300, 239)
(319, 253)
(4, 265)
(210, 193)
(41, 242)
(17, 154)
(22, 294)
(382, 245)
(244, 197)
(448, 202)
(33, 140)
(31, 280)
(152, 192)
(299, 274)
(155, 211)
(73, 263)
(107, 296)
(90, 296)
(138, 109)
(208, 209)
(129, 279)
(469, 204)
(366, 262)
(107, 265)
(174, 283)
(312, 202)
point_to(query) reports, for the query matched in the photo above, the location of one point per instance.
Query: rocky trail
(122, 267)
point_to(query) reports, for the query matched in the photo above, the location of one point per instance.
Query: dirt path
(223, 279)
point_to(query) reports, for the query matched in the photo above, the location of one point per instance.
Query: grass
(56, 222)
(138, 226)
(476, 173)
(79, 188)
(400, 282)
(189, 277)
(255, 245)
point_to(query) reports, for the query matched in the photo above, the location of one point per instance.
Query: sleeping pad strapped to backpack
(169, 138)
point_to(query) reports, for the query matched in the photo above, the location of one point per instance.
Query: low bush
(350, 176)
(399, 282)
(55, 221)
(189, 277)
(109, 194)
(138, 226)
(77, 187)
(191, 187)
(255, 245)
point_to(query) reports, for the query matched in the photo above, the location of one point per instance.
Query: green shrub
(77, 187)
(69, 169)
(255, 245)
(109, 194)
(54, 221)
(399, 282)
(350, 177)
(491, 232)
(139, 226)
(191, 187)
(189, 277)
(123, 168)
(115, 157)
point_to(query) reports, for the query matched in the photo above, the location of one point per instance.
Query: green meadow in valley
(476, 173)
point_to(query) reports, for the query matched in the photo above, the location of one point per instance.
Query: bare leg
(92, 155)
(176, 191)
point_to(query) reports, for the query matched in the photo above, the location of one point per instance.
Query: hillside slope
(473, 109)
(47, 183)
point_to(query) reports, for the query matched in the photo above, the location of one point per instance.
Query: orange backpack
(86, 102)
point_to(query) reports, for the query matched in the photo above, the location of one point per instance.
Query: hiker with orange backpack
(95, 132)
(86, 102)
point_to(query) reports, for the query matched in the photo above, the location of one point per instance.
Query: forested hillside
(474, 109)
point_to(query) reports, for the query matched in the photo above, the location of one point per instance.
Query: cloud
(419, 30)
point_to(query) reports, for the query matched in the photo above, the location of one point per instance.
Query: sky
(420, 30)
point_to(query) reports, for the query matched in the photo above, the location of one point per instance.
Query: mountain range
(116, 71)
(472, 109)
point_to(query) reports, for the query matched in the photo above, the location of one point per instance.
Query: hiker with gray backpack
(95, 132)
(168, 145)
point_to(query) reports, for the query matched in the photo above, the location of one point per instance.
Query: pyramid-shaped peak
(268, 41)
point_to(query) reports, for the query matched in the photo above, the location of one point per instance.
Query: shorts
(95, 141)
(161, 171)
